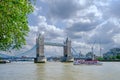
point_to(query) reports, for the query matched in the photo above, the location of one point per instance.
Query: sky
(88, 23)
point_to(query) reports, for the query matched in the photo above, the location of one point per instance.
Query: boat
(4, 61)
(87, 62)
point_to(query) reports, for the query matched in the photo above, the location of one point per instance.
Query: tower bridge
(39, 46)
(40, 57)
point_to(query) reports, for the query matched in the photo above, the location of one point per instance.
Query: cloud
(110, 8)
(62, 9)
(51, 31)
(37, 10)
(114, 8)
(78, 27)
(84, 21)
(65, 9)
(105, 34)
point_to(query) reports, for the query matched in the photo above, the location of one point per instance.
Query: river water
(59, 71)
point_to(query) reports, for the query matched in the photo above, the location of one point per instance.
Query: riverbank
(109, 60)
(1, 61)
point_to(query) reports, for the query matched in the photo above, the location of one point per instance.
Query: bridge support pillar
(40, 58)
(67, 52)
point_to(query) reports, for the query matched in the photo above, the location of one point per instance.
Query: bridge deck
(54, 44)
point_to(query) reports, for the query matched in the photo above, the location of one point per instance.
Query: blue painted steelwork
(74, 50)
(4, 55)
(26, 52)
(20, 54)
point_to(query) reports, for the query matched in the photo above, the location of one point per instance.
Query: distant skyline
(85, 22)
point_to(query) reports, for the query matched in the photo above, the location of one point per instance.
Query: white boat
(7, 61)
(86, 62)
(4, 61)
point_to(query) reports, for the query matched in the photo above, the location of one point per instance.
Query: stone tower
(40, 58)
(67, 51)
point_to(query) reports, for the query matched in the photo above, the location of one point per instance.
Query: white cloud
(36, 10)
(84, 21)
(51, 31)
(41, 19)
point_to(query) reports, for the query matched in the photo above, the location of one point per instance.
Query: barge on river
(87, 62)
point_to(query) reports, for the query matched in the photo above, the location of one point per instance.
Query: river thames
(59, 71)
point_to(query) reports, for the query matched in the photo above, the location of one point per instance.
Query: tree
(118, 56)
(112, 54)
(13, 23)
(115, 50)
(100, 58)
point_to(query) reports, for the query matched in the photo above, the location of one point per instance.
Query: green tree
(118, 56)
(100, 58)
(115, 51)
(13, 23)
(114, 57)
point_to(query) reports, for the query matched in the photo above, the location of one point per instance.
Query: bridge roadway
(58, 44)
(54, 44)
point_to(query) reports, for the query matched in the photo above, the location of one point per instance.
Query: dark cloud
(64, 9)
(78, 27)
(79, 30)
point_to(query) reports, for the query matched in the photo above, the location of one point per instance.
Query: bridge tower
(40, 57)
(67, 51)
